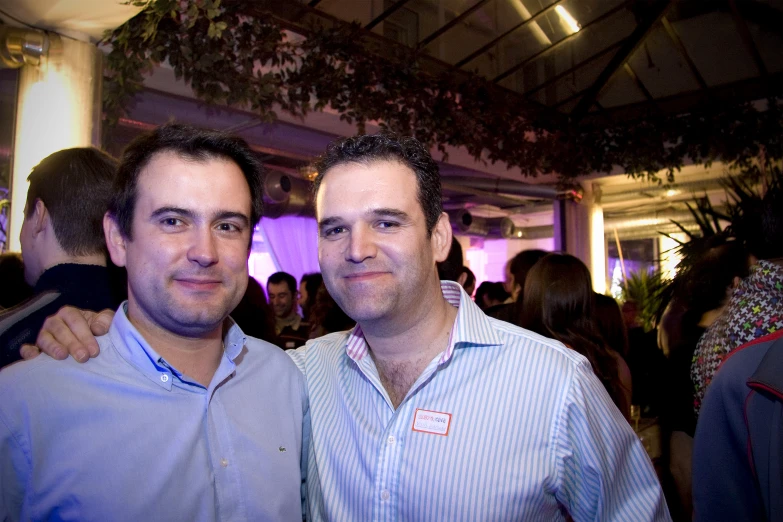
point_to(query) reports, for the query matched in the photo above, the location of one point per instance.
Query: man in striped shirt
(428, 409)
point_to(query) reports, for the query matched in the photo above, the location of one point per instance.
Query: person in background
(62, 241)
(254, 315)
(308, 288)
(490, 294)
(737, 457)
(450, 268)
(646, 362)
(700, 296)
(755, 308)
(517, 269)
(609, 320)
(327, 316)
(558, 302)
(13, 288)
(291, 330)
(467, 280)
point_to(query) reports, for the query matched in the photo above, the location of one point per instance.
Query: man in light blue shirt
(428, 409)
(183, 417)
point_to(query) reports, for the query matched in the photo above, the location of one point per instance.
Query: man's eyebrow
(228, 214)
(173, 210)
(390, 212)
(224, 214)
(326, 222)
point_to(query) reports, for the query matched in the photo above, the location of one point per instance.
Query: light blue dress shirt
(127, 437)
(504, 425)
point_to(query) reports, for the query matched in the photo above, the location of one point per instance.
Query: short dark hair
(75, 185)
(493, 290)
(471, 277)
(190, 143)
(385, 146)
(522, 263)
(312, 282)
(282, 277)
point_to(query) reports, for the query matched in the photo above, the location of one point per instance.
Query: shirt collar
(471, 328)
(132, 347)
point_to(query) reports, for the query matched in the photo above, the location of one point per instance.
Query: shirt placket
(225, 466)
(396, 425)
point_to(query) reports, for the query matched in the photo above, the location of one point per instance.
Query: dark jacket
(84, 286)
(738, 448)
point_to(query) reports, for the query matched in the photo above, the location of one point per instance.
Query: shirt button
(224, 463)
(164, 378)
(385, 494)
(390, 440)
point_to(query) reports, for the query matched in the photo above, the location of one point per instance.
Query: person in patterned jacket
(756, 307)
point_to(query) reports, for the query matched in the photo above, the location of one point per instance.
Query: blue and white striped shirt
(510, 426)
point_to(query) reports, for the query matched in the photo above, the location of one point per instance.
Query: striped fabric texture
(503, 425)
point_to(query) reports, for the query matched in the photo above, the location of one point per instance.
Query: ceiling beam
(581, 64)
(562, 41)
(451, 24)
(743, 90)
(675, 38)
(381, 17)
(638, 82)
(654, 12)
(747, 39)
(484, 48)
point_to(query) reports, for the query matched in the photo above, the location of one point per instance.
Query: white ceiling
(85, 20)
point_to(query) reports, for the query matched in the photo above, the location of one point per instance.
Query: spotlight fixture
(20, 47)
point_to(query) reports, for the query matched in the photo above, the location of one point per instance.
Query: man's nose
(204, 248)
(361, 245)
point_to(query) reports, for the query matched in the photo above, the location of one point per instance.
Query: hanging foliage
(231, 57)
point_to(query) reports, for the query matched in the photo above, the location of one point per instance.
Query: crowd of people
(398, 394)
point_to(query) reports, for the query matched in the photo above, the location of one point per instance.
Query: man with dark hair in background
(308, 290)
(291, 330)
(516, 272)
(183, 417)
(62, 243)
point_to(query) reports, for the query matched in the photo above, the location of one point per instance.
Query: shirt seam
(555, 449)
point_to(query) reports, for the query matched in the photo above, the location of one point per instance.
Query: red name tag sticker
(434, 422)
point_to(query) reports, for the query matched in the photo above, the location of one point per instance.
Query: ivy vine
(247, 60)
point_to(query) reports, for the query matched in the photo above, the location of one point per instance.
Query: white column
(597, 241)
(58, 107)
(579, 231)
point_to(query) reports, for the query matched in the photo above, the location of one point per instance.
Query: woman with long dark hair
(558, 302)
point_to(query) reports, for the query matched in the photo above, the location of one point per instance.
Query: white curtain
(293, 243)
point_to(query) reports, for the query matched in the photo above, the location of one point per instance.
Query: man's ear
(462, 278)
(39, 219)
(115, 241)
(441, 238)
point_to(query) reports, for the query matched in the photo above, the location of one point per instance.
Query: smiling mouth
(364, 276)
(198, 284)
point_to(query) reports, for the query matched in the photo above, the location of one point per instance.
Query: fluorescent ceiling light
(566, 17)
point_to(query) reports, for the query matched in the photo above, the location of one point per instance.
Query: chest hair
(397, 377)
